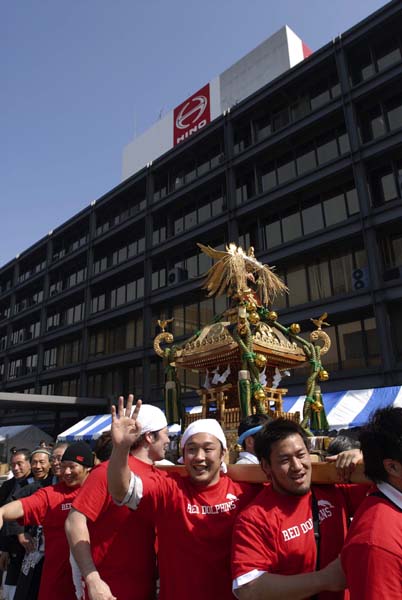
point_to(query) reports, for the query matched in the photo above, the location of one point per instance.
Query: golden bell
(323, 375)
(272, 315)
(295, 328)
(260, 360)
(254, 317)
(251, 306)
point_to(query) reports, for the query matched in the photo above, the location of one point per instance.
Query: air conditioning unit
(360, 279)
(176, 275)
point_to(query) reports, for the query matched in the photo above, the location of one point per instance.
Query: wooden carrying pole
(322, 473)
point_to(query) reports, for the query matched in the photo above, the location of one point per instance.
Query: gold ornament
(251, 306)
(272, 315)
(260, 360)
(323, 375)
(295, 328)
(317, 406)
(242, 329)
(259, 394)
(254, 317)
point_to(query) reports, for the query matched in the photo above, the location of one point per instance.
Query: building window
(297, 284)
(267, 177)
(328, 210)
(286, 169)
(242, 138)
(245, 188)
(312, 218)
(394, 113)
(319, 280)
(391, 252)
(116, 338)
(383, 186)
(158, 279)
(327, 149)
(395, 320)
(306, 159)
(291, 226)
(387, 53)
(98, 303)
(325, 276)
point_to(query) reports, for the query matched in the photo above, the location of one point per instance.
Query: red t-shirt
(275, 533)
(122, 540)
(194, 526)
(49, 507)
(372, 555)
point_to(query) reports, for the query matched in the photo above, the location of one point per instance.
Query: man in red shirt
(49, 507)
(101, 533)
(372, 555)
(193, 515)
(274, 553)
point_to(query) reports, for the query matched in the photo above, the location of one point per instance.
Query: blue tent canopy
(350, 409)
(91, 428)
(344, 410)
(88, 429)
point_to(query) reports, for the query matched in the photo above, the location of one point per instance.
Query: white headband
(204, 426)
(151, 418)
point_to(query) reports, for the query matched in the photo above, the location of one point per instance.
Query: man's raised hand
(125, 428)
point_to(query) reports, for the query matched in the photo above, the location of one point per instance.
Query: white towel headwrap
(151, 418)
(204, 426)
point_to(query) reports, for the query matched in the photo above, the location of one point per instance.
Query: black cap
(79, 452)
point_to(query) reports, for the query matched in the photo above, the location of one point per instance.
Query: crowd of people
(127, 530)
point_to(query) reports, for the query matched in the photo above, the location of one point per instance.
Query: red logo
(80, 458)
(190, 116)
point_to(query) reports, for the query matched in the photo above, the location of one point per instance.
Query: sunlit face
(159, 445)
(73, 473)
(20, 466)
(40, 465)
(203, 456)
(289, 468)
(55, 460)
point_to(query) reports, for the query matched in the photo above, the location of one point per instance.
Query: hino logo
(196, 106)
(193, 114)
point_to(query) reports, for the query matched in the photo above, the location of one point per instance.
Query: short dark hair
(340, 444)
(103, 446)
(381, 439)
(277, 430)
(24, 451)
(250, 422)
(139, 441)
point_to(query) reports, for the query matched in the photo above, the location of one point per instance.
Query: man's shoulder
(144, 469)
(264, 501)
(7, 488)
(378, 523)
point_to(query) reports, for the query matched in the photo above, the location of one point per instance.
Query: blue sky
(79, 77)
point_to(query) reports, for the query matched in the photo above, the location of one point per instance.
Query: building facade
(308, 170)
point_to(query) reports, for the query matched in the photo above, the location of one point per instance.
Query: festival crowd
(110, 525)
